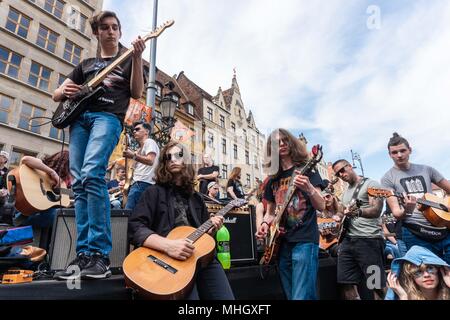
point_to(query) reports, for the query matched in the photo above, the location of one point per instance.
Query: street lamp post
(357, 157)
(168, 107)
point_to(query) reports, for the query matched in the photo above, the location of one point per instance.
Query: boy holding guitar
(170, 204)
(413, 181)
(362, 244)
(299, 248)
(93, 136)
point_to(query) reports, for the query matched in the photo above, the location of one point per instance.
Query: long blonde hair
(413, 290)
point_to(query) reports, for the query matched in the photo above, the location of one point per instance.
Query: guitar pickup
(162, 264)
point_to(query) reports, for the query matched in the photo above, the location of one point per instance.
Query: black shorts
(361, 259)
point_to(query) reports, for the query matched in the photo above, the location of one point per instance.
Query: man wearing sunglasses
(362, 247)
(172, 202)
(414, 180)
(145, 162)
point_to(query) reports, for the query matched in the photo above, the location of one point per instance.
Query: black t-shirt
(3, 175)
(204, 182)
(237, 189)
(300, 207)
(117, 84)
(182, 212)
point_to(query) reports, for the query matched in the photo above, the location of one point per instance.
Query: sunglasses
(429, 269)
(136, 129)
(173, 156)
(341, 171)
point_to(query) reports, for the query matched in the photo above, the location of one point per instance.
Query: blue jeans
(299, 264)
(135, 192)
(93, 137)
(440, 248)
(42, 219)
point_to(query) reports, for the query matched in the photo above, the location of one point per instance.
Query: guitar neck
(194, 236)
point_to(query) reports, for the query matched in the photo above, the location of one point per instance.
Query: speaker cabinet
(241, 225)
(64, 236)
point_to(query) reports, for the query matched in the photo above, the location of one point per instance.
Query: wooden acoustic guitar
(328, 231)
(34, 191)
(155, 275)
(70, 109)
(434, 209)
(276, 230)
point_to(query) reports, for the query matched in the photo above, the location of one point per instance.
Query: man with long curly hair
(173, 202)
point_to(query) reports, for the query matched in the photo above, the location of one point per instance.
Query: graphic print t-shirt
(299, 208)
(416, 182)
(117, 84)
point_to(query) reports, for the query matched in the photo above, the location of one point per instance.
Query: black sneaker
(80, 262)
(98, 267)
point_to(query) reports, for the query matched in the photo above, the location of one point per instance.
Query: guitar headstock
(379, 193)
(155, 33)
(317, 153)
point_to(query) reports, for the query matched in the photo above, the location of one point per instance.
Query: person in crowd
(234, 185)
(207, 174)
(145, 162)
(419, 275)
(5, 215)
(173, 202)
(299, 249)
(362, 246)
(93, 137)
(413, 181)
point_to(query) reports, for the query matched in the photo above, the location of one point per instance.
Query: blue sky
(346, 73)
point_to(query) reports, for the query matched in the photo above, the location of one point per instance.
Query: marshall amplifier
(240, 223)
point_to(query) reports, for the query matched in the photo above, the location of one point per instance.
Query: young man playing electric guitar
(170, 203)
(299, 248)
(362, 246)
(413, 181)
(93, 136)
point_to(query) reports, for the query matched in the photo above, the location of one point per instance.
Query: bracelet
(134, 155)
(360, 212)
(265, 223)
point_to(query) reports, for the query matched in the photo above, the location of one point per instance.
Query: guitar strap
(357, 189)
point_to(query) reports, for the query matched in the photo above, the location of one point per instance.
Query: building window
(235, 151)
(47, 38)
(58, 134)
(28, 112)
(18, 23)
(61, 79)
(224, 171)
(72, 52)
(39, 76)
(253, 139)
(6, 104)
(245, 134)
(248, 181)
(222, 121)
(224, 146)
(158, 90)
(210, 140)
(209, 111)
(190, 109)
(9, 62)
(77, 20)
(17, 155)
(55, 7)
(177, 99)
(233, 127)
(247, 157)
(255, 161)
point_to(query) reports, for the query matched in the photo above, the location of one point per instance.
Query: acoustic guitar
(434, 209)
(329, 231)
(276, 230)
(155, 275)
(34, 191)
(70, 109)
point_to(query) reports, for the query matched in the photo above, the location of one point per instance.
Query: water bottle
(223, 247)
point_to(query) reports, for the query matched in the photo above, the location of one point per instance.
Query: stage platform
(247, 282)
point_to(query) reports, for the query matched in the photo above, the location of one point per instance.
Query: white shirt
(143, 172)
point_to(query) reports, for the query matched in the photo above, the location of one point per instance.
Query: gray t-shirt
(358, 226)
(416, 182)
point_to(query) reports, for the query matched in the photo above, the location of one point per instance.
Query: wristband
(134, 155)
(265, 223)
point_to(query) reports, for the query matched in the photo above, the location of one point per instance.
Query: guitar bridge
(162, 264)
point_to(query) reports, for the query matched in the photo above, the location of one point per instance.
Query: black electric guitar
(344, 225)
(70, 109)
(276, 230)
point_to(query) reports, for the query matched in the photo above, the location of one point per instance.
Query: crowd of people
(163, 192)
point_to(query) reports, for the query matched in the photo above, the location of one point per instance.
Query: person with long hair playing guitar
(170, 203)
(93, 136)
(299, 248)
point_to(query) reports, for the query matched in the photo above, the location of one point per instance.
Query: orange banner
(137, 111)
